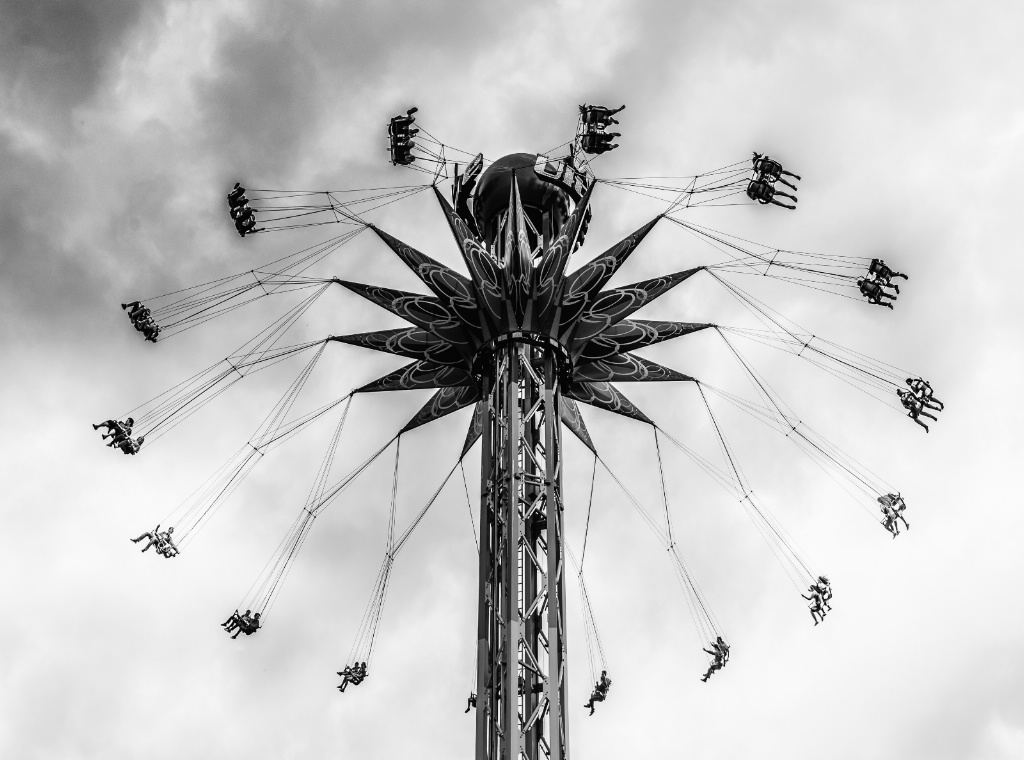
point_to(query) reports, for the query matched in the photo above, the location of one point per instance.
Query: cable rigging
(704, 620)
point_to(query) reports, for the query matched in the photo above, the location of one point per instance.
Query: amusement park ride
(524, 341)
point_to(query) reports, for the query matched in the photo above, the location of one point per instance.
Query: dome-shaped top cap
(494, 186)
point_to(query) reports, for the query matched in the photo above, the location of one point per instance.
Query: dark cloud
(55, 54)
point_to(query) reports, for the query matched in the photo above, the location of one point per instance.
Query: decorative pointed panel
(413, 342)
(423, 311)
(606, 396)
(444, 402)
(582, 287)
(419, 375)
(518, 256)
(613, 306)
(449, 286)
(626, 368)
(476, 427)
(570, 414)
(631, 334)
(487, 281)
(549, 274)
(464, 236)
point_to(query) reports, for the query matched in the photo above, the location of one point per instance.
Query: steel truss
(521, 643)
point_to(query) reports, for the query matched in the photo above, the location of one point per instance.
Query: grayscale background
(122, 126)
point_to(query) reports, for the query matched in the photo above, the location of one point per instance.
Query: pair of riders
(161, 540)
(820, 596)
(604, 683)
(241, 211)
(596, 119)
(400, 133)
(120, 434)
(761, 187)
(917, 399)
(142, 320)
(354, 675)
(893, 507)
(246, 623)
(879, 277)
(720, 651)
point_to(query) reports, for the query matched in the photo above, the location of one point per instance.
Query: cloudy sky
(122, 125)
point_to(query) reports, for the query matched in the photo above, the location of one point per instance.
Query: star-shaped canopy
(526, 291)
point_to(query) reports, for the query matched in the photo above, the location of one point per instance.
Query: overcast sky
(122, 125)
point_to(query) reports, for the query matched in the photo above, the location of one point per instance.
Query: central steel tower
(521, 646)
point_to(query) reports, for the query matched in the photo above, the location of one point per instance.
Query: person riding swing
(884, 274)
(872, 290)
(771, 171)
(720, 651)
(892, 508)
(914, 407)
(235, 620)
(354, 675)
(248, 625)
(824, 589)
(600, 692)
(762, 192)
(598, 117)
(922, 389)
(817, 612)
(156, 538)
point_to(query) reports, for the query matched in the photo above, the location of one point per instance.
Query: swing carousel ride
(524, 343)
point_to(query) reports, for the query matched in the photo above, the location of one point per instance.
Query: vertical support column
(513, 621)
(521, 628)
(555, 611)
(486, 698)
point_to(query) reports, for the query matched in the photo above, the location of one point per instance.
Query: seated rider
(247, 625)
(471, 702)
(599, 117)
(237, 195)
(248, 225)
(143, 324)
(889, 519)
(824, 590)
(720, 651)
(922, 389)
(771, 171)
(129, 445)
(882, 273)
(892, 510)
(139, 314)
(599, 142)
(136, 311)
(153, 536)
(234, 621)
(817, 612)
(352, 675)
(165, 545)
(914, 407)
(118, 437)
(874, 293)
(600, 692)
(760, 191)
(116, 430)
(151, 331)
